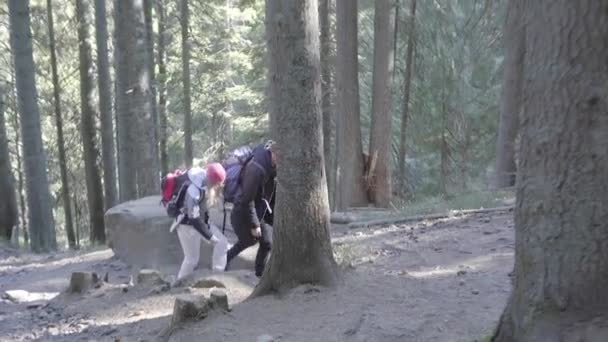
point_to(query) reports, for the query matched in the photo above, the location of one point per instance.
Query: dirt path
(443, 280)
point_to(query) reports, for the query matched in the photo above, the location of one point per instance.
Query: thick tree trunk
(405, 109)
(40, 214)
(105, 106)
(19, 160)
(350, 186)
(161, 81)
(302, 250)
(511, 102)
(326, 88)
(148, 4)
(379, 178)
(561, 215)
(125, 122)
(87, 127)
(63, 168)
(9, 216)
(185, 14)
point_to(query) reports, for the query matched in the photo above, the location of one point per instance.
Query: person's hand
(256, 232)
(214, 240)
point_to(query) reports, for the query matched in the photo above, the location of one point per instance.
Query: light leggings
(190, 240)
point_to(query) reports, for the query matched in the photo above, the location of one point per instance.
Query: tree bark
(379, 178)
(87, 127)
(9, 216)
(40, 214)
(148, 4)
(105, 107)
(561, 214)
(161, 81)
(137, 111)
(185, 14)
(326, 88)
(125, 121)
(512, 95)
(63, 168)
(405, 109)
(302, 250)
(350, 187)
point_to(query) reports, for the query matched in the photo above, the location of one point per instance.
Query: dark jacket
(257, 184)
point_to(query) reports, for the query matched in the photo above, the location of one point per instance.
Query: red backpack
(173, 188)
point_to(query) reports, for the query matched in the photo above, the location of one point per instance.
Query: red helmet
(215, 173)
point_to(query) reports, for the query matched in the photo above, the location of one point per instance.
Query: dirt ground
(439, 280)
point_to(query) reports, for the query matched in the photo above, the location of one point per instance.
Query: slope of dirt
(442, 280)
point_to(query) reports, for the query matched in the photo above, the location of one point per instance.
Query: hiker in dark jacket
(253, 206)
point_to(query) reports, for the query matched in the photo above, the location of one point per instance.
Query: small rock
(487, 220)
(461, 283)
(265, 338)
(125, 289)
(109, 332)
(461, 273)
(475, 292)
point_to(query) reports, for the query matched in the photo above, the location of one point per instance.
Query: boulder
(138, 233)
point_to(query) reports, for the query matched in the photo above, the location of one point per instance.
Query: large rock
(139, 235)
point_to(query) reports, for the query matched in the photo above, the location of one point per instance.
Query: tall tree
(125, 122)
(185, 18)
(379, 170)
(511, 102)
(407, 84)
(40, 214)
(87, 126)
(350, 187)
(161, 82)
(63, 167)
(561, 214)
(8, 206)
(147, 166)
(326, 87)
(105, 106)
(302, 251)
(148, 4)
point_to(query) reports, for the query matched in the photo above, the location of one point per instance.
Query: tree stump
(82, 281)
(219, 299)
(188, 307)
(150, 277)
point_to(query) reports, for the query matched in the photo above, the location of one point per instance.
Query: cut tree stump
(82, 281)
(150, 277)
(189, 307)
(219, 299)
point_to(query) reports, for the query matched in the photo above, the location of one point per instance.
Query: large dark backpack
(233, 165)
(173, 190)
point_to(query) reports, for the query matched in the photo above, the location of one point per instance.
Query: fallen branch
(406, 219)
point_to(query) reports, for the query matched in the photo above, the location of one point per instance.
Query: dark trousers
(246, 239)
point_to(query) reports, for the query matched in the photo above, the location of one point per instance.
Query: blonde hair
(212, 195)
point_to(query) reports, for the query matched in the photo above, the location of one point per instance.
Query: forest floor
(431, 280)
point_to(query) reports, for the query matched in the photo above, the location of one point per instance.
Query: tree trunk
(379, 175)
(63, 169)
(514, 43)
(185, 13)
(9, 217)
(125, 122)
(407, 83)
(40, 214)
(87, 127)
(302, 250)
(350, 187)
(161, 81)
(105, 106)
(326, 88)
(148, 4)
(561, 215)
(18, 159)
(139, 99)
